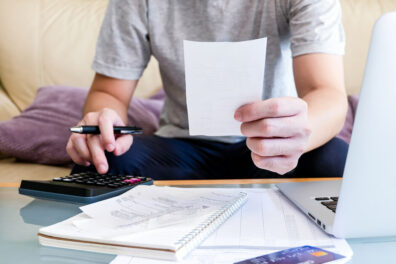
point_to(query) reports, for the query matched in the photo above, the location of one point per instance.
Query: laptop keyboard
(329, 202)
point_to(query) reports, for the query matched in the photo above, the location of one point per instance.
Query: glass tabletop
(22, 216)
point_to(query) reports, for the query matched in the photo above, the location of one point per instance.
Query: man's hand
(106, 106)
(87, 149)
(277, 132)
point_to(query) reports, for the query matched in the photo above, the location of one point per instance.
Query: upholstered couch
(51, 42)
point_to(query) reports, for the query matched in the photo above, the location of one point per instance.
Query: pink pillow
(41, 132)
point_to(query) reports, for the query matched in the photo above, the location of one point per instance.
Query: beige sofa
(50, 42)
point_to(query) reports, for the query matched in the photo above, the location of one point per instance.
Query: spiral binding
(203, 230)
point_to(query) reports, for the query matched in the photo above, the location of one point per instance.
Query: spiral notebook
(147, 221)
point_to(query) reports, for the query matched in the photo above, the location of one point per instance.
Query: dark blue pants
(180, 159)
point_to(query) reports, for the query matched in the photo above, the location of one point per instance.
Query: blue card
(305, 254)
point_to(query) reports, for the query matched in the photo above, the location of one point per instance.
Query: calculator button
(80, 181)
(132, 181)
(57, 179)
(67, 180)
(141, 178)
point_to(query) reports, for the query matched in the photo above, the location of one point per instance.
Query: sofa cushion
(7, 108)
(41, 132)
(52, 42)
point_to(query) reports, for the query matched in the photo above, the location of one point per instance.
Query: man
(285, 135)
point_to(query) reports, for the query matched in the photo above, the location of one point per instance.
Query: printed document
(268, 222)
(221, 77)
(149, 207)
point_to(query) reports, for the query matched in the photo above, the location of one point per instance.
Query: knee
(124, 164)
(325, 161)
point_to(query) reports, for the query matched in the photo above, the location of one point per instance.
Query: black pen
(117, 130)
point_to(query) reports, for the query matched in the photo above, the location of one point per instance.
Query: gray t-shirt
(133, 30)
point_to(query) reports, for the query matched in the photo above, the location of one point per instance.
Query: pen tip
(76, 129)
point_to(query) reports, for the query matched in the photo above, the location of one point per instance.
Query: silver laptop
(364, 203)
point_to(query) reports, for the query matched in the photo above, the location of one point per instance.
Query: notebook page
(90, 227)
(220, 77)
(161, 238)
(151, 207)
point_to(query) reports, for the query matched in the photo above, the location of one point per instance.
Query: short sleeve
(123, 48)
(316, 27)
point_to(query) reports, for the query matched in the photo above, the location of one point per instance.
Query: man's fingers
(123, 144)
(269, 147)
(75, 156)
(106, 121)
(272, 127)
(274, 107)
(278, 164)
(97, 153)
(80, 146)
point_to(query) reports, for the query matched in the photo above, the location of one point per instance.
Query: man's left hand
(277, 132)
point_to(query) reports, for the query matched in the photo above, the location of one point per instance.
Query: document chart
(268, 222)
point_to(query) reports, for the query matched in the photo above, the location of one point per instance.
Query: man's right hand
(87, 149)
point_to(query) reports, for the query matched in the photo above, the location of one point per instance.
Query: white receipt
(221, 77)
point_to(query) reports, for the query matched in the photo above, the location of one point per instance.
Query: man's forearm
(319, 81)
(98, 100)
(107, 92)
(326, 113)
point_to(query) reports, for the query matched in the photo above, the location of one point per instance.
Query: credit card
(298, 255)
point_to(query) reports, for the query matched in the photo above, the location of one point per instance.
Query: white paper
(209, 256)
(221, 77)
(268, 222)
(149, 207)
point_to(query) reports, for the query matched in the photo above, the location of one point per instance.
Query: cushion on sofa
(41, 132)
(346, 132)
(53, 43)
(7, 108)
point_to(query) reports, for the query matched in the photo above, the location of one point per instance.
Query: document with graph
(268, 222)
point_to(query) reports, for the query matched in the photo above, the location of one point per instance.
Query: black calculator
(85, 187)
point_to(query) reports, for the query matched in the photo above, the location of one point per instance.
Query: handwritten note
(220, 77)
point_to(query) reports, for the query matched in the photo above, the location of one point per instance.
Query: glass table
(22, 216)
